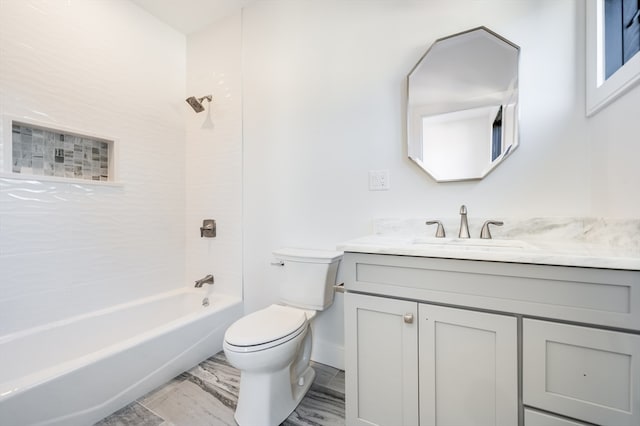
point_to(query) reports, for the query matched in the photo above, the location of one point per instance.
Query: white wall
(614, 140)
(106, 68)
(214, 155)
(324, 87)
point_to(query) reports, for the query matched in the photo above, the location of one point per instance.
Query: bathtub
(77, 371)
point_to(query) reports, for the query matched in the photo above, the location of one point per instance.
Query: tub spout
(206, 280)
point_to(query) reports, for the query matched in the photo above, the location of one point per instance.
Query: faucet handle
(440, 231)
(484, 232)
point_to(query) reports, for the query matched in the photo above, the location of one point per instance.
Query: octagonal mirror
(462, 105)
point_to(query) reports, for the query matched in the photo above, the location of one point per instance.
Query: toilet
(272, 347)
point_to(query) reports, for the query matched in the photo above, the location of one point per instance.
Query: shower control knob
(208, 228)
(408, 318)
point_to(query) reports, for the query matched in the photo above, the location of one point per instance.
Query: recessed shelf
(49, 152)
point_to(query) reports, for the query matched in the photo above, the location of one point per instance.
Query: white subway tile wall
(214, 155)
(70, 247)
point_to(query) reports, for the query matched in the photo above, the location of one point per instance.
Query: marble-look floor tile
(132, 414)
(207, 395)
(187, 404)
(324, 373)
(163, 390)
(320, 407)
(337, 383)
(217, 376)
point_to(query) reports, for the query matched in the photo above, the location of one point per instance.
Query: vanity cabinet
(412, 363)
(431, 341)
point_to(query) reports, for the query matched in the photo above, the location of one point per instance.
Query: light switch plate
(379, 180)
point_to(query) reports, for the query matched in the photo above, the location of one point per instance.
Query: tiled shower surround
(40, 151)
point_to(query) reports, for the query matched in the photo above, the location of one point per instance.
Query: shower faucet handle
(208, 228)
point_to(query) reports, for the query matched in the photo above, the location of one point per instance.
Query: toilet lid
(266, 325)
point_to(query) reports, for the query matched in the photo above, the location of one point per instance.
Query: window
(496, 136)
(613, 43)
(621, 33)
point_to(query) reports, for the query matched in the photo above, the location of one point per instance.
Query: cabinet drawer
(584, 373)
(537, 418)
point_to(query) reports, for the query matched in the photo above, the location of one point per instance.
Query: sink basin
(472, 243)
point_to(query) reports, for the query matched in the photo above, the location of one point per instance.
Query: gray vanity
(539, 326)
(504, 332)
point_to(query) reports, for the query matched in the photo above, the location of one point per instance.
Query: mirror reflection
(462, 109)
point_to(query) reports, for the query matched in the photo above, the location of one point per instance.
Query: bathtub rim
(6, 338)
(24, 383)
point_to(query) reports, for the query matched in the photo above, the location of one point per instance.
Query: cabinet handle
(408, 318)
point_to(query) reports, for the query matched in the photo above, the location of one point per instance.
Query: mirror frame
(408, 123)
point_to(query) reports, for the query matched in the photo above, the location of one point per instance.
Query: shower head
(196, 104)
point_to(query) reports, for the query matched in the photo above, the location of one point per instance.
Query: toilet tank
(309, 277)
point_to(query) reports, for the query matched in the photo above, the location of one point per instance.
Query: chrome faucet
(464, 225)
(206, 280)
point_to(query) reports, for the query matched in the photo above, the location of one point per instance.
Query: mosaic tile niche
(49, 152)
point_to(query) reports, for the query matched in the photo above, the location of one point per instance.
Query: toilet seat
(265, 329)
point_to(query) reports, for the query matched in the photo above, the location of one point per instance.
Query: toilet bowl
(272, 347)
(274, 365)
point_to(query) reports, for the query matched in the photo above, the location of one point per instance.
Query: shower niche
(38, 150)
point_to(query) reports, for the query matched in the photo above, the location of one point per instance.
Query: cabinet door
(381, 360)
(468, 366)
(580, 372)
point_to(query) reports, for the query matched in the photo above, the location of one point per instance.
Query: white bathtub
(77, 371)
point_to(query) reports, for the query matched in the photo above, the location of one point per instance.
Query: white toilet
(272, 347)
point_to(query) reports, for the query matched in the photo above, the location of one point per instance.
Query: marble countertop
(583, 242)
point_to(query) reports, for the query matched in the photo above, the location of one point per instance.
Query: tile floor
(207, 395)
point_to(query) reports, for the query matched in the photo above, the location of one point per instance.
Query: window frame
(600, 91)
